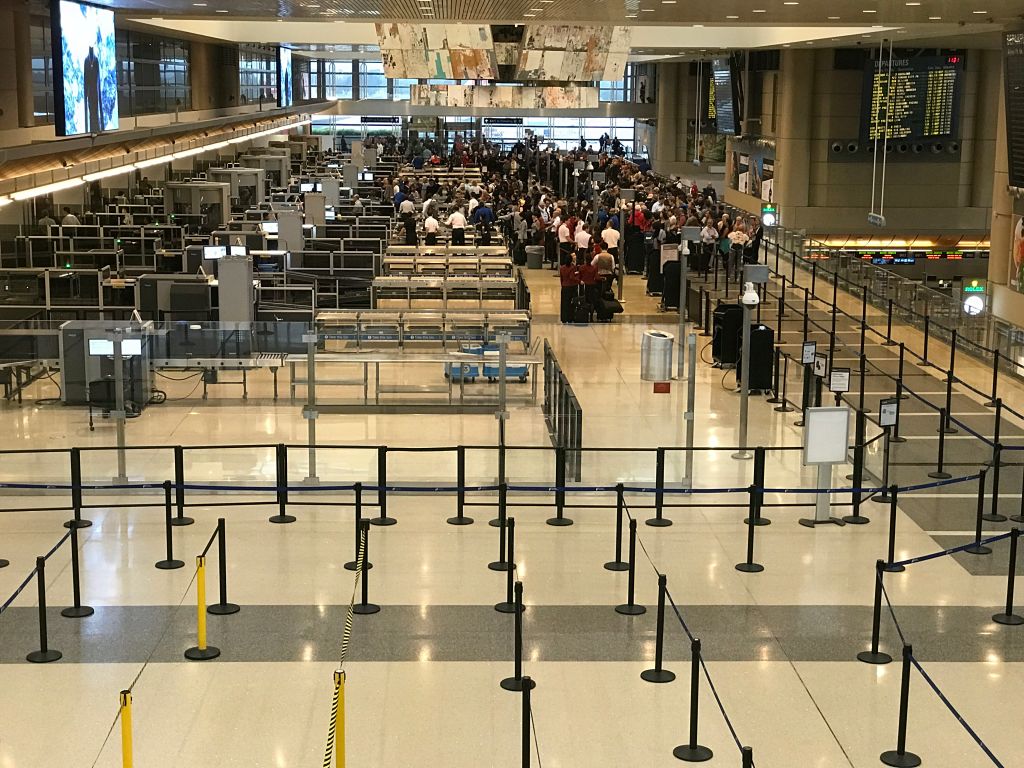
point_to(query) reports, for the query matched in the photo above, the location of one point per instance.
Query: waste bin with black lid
(535, 257)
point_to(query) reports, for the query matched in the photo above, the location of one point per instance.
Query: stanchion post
(659, 520)
(630, 608)
(894, 437)
(760, 459)
(860, 431)
(785, 407)
(947, 426)
(693, 751)
(863, 380)
(890, 567)
(357, 527)
(805, 398)
(501, 564)
(527, 715)
(749, 566)
(863, 320)
(747, 755)
(45, 654)
(76, 521)
(658, 674)
(899, 372)
(807, 317)
(282, 515)
(201, 651)
(364, 607)
(874, 656)
(617, 564)
(222, 607)
(125, 715)
(997, 429)
(515, 683)
(509, 605)
(977, 548)
(940, 473)
(888, 327)
(382, 489)
(339, 719)
(76, 610)
(1008, 617)
(782, 309)
(900, 757)
(179, 487)
(924, 350)
(993, 515)
(559, 519)
(776, 376)
(168, 563)
(995, 378)
(460, 516)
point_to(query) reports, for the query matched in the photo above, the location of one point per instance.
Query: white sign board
(826, 435)
(820, 366)
(888, 412)
(807, 352)
(839, 380)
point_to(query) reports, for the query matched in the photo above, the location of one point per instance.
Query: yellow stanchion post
(126, 729)
(202, 651)
(339, 720)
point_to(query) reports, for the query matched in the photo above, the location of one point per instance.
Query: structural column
(793, 139)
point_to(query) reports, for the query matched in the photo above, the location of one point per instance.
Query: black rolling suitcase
(606, 307)
(655, 284)
(635, 251)
(670, 288)
(519, 254)
(579, 308)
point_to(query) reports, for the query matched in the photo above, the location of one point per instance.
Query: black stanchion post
(630, 608)
(1008, 617)
(1019, 517)
(559, 519)
(785, 407)
(760, 458)
(997, 429)
(782, 308)
(863, 320)
(222, 607)
(807, 317)
(659, 674)
(382, 489)
(832, 335)
(168, 563)
(749, 566)
(890, 567)
(747, 753)
(863, 380)
(814, 277)
(179, 487)
(76, 491)
(993, 515)
(364, 607)
(45, 653)
(282, 515)
(924, 351)
(899, 375)
(460, 516)
(776, 375)
(509, 605)
(977, 548)
(900, 758)
(706, 331)
(515, 683)
(501, 564)
(888, 327)
(617, 564)
(874, 656)
(527, 715)
(692, 751)
(353, 564)
(659, 520)
(940, 473)
(860, 429)
(947, 425)
(995, 378)
(77, 610)
(805, 397)
(895, 436)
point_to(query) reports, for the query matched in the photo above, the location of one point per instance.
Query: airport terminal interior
(543, 383)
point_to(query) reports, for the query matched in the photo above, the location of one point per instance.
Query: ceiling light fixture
(759, 10)
(869, 10)
(221, 10)
(791, 2)
(833, 18)
(57, 186)
(979, 12)
(108, 172)
(934, 18)
(732, 17)
(912, 3)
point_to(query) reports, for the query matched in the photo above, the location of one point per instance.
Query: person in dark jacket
(570, 278)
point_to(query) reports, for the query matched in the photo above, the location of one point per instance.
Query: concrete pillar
(793, 138)
(1002, 202)
(10, 71)
(23, 63)
(664, 149)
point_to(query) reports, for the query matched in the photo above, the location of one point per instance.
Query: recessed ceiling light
(785, 45)
(529, 15)
(934, 18)
(759, 10)
(668, 2)
(869, 10)
(912, 3)
(732, 17)
(833, 18)
(979, 11)
(698, 26)
(791, 2)
(199, 5)
(647, 10)
(630, 15)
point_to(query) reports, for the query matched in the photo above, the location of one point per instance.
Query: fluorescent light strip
(57, 186)
(107, 173)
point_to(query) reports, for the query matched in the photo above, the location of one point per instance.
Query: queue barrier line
(32, 573)
(951, 551)
(964, 427)
(953, 711)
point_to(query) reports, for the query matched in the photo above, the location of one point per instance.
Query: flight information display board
(725, 97)
(922, 101)
(1013, 49)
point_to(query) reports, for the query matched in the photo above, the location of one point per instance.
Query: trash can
(656, 356)
(535, 257)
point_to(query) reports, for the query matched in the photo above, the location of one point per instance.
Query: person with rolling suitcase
(570, 279)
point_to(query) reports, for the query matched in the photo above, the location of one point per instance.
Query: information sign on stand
(888, 412)
(820, 365)
(839, 380)
(808, 351)
(826, 438)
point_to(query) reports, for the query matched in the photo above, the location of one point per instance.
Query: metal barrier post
(126, 729)
(659, 521)
(995, 378)
(924, 351)
(863, 379)
(874, 656)
(659, 674)
(501, 564)
(460, 517)
(222, 607)
(805, 397)
(282, 515)
(353, 564)
(774, 399)
(832, 335)
(895, 436)
(509, 605)
(179, 487)
(785, 407)
(863, 321)
(168, 563)
(782, 309)
(760, 457)
(940, 473)
(1008, 617)
(900, 758)
(617, 564)
(888, 328)
(899, 377)
(559, 519)
(993, 515)
(201, 651)
(858, 470)
(996, 430)
(749, 566)
(364, 607)
(891, 552)
(527, 715)
(630, 608)
(382, 489)
(977, 548)
(947, 426)
(807, 317)
(516, 682)
(76, 491)
(77, 610)
(692, 751)
(747, 755)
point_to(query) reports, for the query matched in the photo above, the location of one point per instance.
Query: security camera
(750, 297)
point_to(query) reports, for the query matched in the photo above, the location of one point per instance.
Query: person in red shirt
(569, 276)
(590, 279)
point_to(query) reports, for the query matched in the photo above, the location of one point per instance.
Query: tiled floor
(423, 674)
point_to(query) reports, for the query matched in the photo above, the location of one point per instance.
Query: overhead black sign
(918, 99)
(1013, 48)
(380, 120)
(503, 121)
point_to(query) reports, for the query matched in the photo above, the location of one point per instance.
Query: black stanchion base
(5, 563)
(506, 607)
(996, 518)
(559, 522)
(657, 676)
(658, 522)
(757, 521)
(856, 519)
(810, 522)
(939, 475)
(170, 565)
(798, 423)
(495, 522)
(882, 498)
(180, 521)
(785, 408)
(281, 519)
(223, 609)
(990, 404)
(44, 657)
(978, 549)
(459, 520)
(202, 654)
(749, 567)
(1017, 518)
(888, 343)
(352, 566)
(897, 439)
(616, 565)
(874, 658)
(898, 760)
(948, 430)
(1008, 619)
(516, 684)
(77, 523)
(499, 565)
(630, 609)
(697, 754)
(77, 613)
(383, 521)
(890, 568)
(366, 609)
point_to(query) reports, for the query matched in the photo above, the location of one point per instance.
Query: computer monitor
(305, 187)
(238, 250)
(214, 251)
(366, 176)
(105, 347)
(330, 215)
(269, 227)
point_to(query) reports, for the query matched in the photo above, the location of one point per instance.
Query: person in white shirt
(428, 206)
(610, 237)
(473, 203)
(582, 243)
(407, 207)
(564, 242)
(737, 241)
(69, 220)
(430, 227)
(457, 221)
